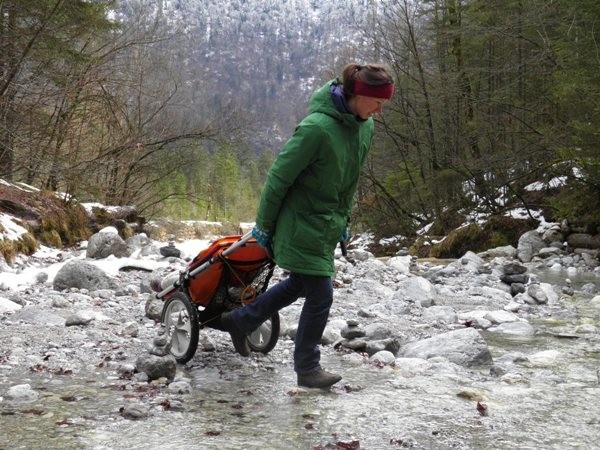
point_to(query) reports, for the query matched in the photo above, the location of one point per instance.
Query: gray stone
(78, 318)
(529, 244)
(157, 366)
(82, 275)
(179, 387)
(154, 308)
(522, 278)
(517, 288)
(135, 411)
(537, 293)
(383, 357)
(104, 244)
(416, 290)
(21, 393)
(464, 347)
(514, 328)
(583, 240)
(445, 314)
(352, 332)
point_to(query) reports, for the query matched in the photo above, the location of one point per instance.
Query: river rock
(411, 367)
(416, 290)
(79, 318)
(135, 411)
(179, 387)
(400, 263)
(529, 244)
(500, 316)
(507, 251)
(157, 366)
(82, 275)
(384, 357)
(21, 393)
(514, 328)
(444, 314)
(583, 240)
(464, 347)
(7, 305)
(170, 251)
(553, 234)
(106, 243)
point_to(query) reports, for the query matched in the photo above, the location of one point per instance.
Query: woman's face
(365, 107)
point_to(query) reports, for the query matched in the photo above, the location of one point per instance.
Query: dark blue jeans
(318, 293)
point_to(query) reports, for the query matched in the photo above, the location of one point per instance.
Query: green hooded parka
(309, 191)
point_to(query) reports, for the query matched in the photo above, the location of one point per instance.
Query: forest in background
(179, 107)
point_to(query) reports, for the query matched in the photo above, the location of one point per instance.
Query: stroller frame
(218, 280)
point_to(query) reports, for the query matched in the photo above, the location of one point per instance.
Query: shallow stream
(547, 400)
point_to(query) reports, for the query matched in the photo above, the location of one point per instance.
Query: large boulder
(82, 275)
(530, 243)
(464, 347)
(583, 240)
(107, 243)
(416, 290)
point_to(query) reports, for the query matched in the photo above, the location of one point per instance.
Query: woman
(305, 207)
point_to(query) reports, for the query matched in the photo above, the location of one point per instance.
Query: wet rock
(352, 332)
(546, 358)
(21, 393)
(135, 411)
(464, 347)
(384, 357)
(411, 367)
(497, 371)
(500, 316)
(391, 345)
(179, 387)
(82, 275)
(537, 293)
(589, 288)
(157, 366)
(513, 268)
(514, 328)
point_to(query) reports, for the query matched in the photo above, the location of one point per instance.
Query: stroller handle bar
(186, 276)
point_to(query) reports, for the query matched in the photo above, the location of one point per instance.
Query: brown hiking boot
(238, 337)
(319, 378)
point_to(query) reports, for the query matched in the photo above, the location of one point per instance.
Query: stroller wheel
(180, 318)
(265, 337)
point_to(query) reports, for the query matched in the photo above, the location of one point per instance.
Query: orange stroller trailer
(228, 274)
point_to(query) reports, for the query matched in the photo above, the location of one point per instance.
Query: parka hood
(321, 102)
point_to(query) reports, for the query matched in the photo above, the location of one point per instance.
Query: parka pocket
(315, 234)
